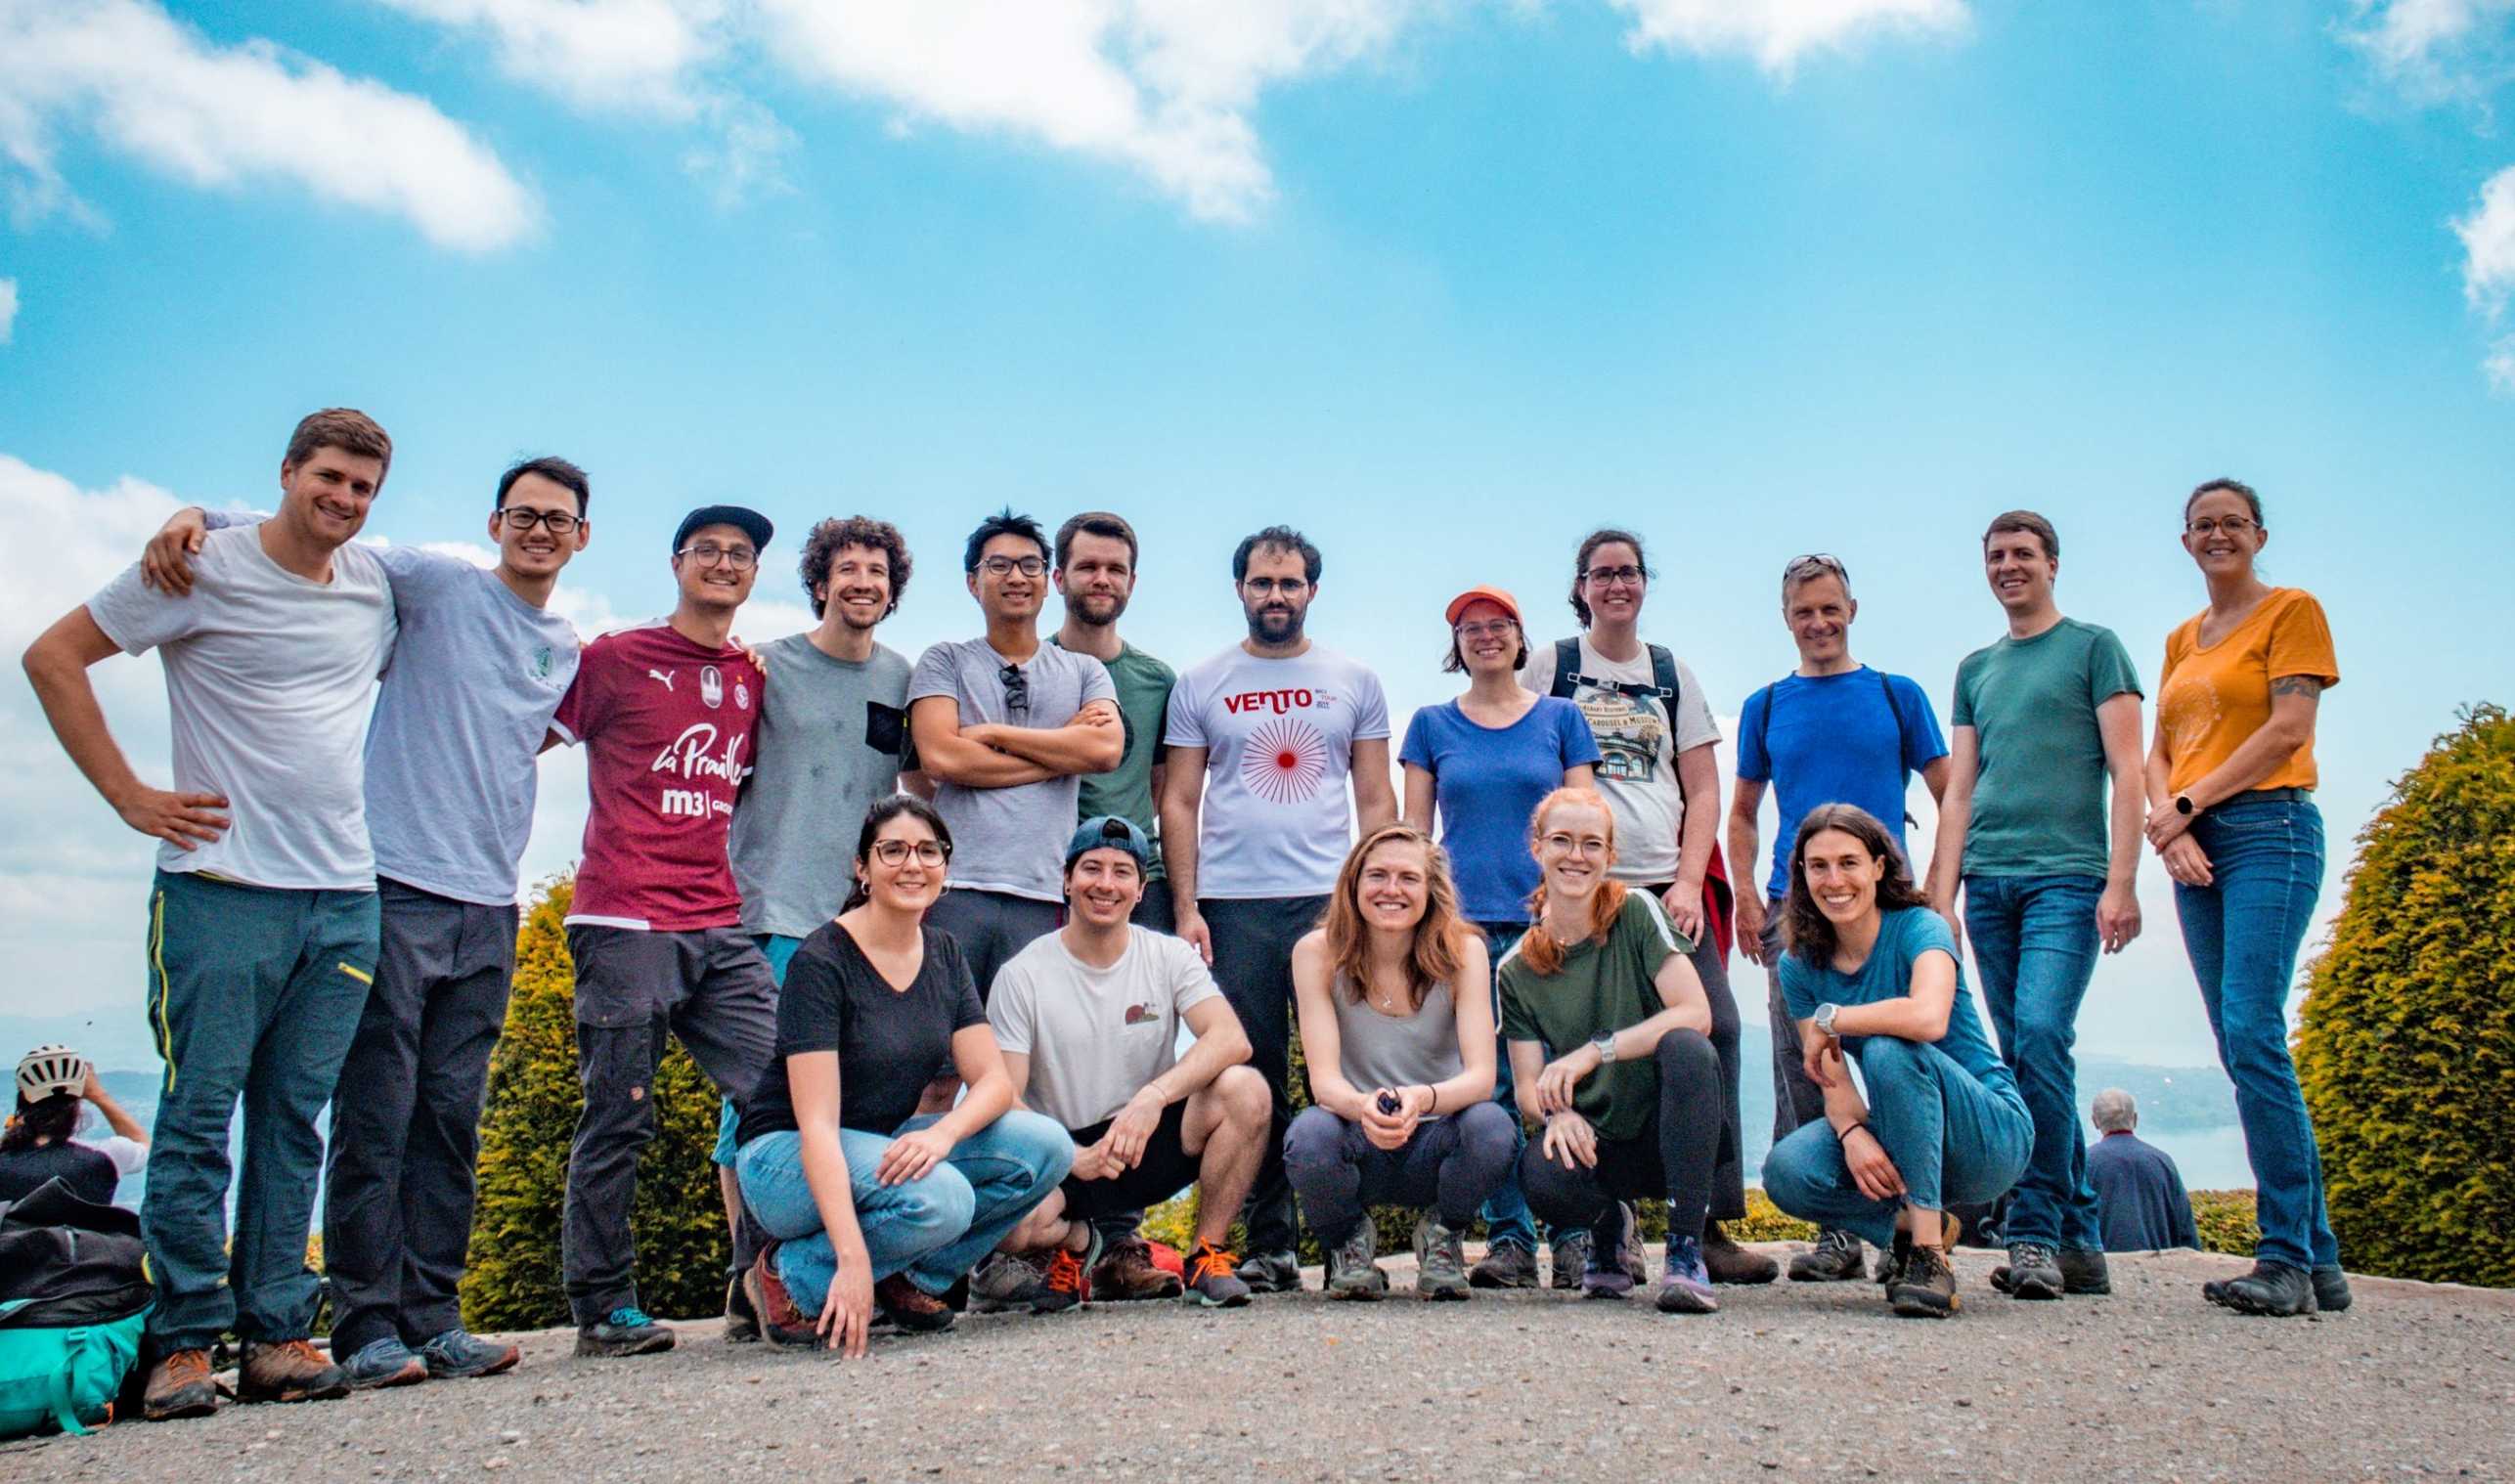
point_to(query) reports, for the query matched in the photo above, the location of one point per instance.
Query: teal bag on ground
(74, 1297)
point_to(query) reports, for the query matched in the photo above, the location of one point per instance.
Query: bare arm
(915, 781)
(57, 665)
(1934, 777)
(1920, 1014)
(935, 721)
(2117, 913)
(1956, 814)
(1093, 742)
(1745, 858)
(1322, 1040)
(115, 1119)
(1221, 1044)
(1375, 799)
(1182, 796)
(1527, 1065)
(1420, 794)
(1699, 785)
(990, 1091)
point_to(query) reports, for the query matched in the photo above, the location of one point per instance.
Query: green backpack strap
(72, 1342)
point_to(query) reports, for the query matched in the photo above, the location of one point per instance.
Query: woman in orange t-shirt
(2232, 813)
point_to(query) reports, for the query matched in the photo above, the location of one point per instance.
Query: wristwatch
(1605, 1041)
(2183, 805)
(1825, 1017)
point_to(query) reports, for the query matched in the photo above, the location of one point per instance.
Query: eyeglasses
(1477, 633)
(525, 518)
(1017, 687)
(1006, 566)
(1600, 577)
(2232, 525)
(708, 554)
(891, 852)
(1561, 843)
(1268, 586)
(1812, 564)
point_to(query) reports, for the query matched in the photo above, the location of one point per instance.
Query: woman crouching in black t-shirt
(872, 1201)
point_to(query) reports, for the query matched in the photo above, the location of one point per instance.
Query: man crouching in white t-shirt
(1088, 1020)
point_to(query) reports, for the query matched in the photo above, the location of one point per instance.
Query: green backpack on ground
(74, 1294)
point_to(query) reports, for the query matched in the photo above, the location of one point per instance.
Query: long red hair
(1538, 950)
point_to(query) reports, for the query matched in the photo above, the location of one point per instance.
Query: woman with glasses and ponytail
(2231, 814)
(874, 1206)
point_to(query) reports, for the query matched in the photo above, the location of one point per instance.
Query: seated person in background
(1870, 971)
(1631, 1097)
(2141, 1206)
(1401, 1068)
(1088, 1017)
(54, 1087)
(870, 1201)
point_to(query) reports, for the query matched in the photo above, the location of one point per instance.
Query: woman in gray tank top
(1400, 1068)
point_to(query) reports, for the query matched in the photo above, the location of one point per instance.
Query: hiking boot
(741, 1323)
(180, 1385)
(2083, 1271)
(911, 1308)
(1685, 1284)
(625, 1331)
(1728, 1263)
(2271, 1290)
(1007, 1281)
(1506, 1265)
(781, 1321)
(1568, 1257)
(287, 1371)
(1127, 1272)
(459, 1355)
(1441, 1260)
(2331, 1287)
(1352, 1267)
(1891, 1259)
(1269, 1273)
(1631, 1255)
(2032, 1271)
(1926, 1288)
(1212, 1284)
(383, 1362)
(1836, 1258)
(1069, 1279)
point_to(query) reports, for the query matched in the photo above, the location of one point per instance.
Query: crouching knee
(1687, 1055)
(1245, 1099)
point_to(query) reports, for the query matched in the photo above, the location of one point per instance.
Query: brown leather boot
(1728, 1263)
(180, 1385)
(287, 1371)
(1127, 1272)
(911, 1308)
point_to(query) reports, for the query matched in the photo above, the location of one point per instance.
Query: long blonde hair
(1538, 950)
(1436, 953)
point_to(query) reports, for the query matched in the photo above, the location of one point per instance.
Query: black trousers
(1672, 1155)
(1252, 962)
(1729, 1170)
(399, 1182)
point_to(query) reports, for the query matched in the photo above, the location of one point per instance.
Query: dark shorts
(1165, 1169)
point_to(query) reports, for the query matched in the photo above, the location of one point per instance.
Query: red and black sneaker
(1069, 1281)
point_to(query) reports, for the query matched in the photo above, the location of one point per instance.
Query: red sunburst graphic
(1283, 760)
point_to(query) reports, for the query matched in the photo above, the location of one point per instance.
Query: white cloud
(8, 308)
(217, 116)
(2489, 270)
(628, 55)
(2437, 51)
(1777, 33)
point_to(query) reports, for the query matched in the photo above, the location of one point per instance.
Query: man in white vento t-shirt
(1255, 824)
(262, 922)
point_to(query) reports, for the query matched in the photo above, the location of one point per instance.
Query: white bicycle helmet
(49, 1072)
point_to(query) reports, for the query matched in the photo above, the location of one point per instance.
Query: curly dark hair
(822, 546)
(1604, 536)
(1805, 929)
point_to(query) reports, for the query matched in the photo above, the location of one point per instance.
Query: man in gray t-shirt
(1005, 724)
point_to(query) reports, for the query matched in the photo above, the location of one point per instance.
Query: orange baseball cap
(1509, 604)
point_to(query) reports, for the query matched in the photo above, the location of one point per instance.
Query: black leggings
(1672, 1155)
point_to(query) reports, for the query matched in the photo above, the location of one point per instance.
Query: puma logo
(665, 676)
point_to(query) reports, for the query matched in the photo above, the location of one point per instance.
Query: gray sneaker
(457, 1354)
(1836, 1258)
(1569, 1258)
(1005, 1281)
(1271, 1272)
(1607, 1276)
(1631, 1254)
(2032, 1271)
(382, 1363)
(1352, 1267)
(1441, 1260)
(1505, 1265)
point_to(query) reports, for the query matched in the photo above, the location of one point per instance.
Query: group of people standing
(991, 950)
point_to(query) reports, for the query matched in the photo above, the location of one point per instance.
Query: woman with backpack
(56, 1086)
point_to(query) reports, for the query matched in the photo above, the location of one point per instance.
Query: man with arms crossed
(1095, 574)
(1263, 738)
(262, 921)
(1088, 1018)
(2043, 719)
(664, 712)
(1835, 732)
(451, 779)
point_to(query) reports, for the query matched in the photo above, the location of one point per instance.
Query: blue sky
(1445, 283)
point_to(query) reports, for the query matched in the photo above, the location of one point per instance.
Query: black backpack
(1661, 689)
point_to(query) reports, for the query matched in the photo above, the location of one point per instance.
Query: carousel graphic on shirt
(1283, 760)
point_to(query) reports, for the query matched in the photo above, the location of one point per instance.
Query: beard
(1097, 610)
(1268, 626)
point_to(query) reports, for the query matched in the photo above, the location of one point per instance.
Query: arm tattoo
(2297, 685)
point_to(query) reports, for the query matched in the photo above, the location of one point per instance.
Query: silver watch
(1825, 1017)
(1605, 1041)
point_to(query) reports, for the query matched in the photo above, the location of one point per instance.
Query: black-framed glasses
(929, 853)
(1813, 564)
(1006, 566)
(1017, 687)
(708, 554)
(1630, 576)
(2232, 525)
(525, 518)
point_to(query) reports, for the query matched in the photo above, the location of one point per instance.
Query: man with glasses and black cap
(1005, 727)
(1832, 732)
(665, 713)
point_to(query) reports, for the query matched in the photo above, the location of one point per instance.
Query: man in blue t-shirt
(1832, 732)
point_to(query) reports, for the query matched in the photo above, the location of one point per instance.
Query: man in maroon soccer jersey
(664, 712)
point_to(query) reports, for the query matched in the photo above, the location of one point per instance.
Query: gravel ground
(1793, 1382)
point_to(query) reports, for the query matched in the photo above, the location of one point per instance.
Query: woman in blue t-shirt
(1481, 763)
(1869, 969)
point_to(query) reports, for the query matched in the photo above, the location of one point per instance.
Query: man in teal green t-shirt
(2044, 718)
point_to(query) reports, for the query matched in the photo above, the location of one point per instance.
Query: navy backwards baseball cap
(1109, 832)
(754, 524)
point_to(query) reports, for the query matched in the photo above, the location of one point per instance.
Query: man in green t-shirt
(2044, 718)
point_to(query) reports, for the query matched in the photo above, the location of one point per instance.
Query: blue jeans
(1506, 1210)
(934, 1229)
(2242, 933)
(779, 950)
(1951, 1139)
(1452, 1164)
(2035, 944)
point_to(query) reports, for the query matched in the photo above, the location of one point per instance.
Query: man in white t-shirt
(262, 936)
(1255, 824)
(1088, 1018)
